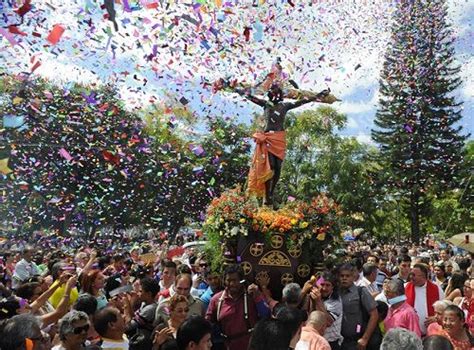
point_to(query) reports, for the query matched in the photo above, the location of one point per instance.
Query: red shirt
(231, 318)
(403, 316)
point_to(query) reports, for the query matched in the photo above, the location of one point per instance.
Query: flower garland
(233, 215)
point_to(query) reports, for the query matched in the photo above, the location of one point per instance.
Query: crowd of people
(368, 296)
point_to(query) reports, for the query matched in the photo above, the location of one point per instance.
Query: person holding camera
(237, 309)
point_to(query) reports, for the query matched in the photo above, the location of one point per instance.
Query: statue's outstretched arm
(256, 100)
(303, 101)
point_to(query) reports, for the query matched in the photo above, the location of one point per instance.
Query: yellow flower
(294, 222)
(221, 221)
(242, 221)
(321, 237)
(304, 224)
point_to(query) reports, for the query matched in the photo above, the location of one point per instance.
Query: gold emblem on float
(275, 258)
(286, 278)
(294, 251)
(256, 249)
(276, 241)
(303, 270)
(246, 267)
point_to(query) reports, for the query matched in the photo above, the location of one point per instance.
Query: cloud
(467, 74)
(355, 107)
(365, 138)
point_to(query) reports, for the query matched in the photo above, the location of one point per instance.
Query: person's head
(346, 275)
(21, 330)
(183, 284)
(291, 294)
(370, 271)
(444, 255)
(328, 284)
(293, 319)
(464, 264)
(453, 319)
(233, 274)
(178, 307)
(168, 272)
(81, 259)
(213, 279)
(194, 334)
(270, 334)
(373, 259)
(440, 270)
(457, 281)
(118, 261)
(319, 321)
(149, 288)
(73, 328)
(439, 307)
(12, 306)
(467, 288)
(29, 291)
(275, 94)
(92, 282)
(419, 274)
(393, 290)
(28, 253)
(437, 342)
(86, 303)
(400, 338)
(8, 257)
(109, 323)
(404, 264)
(448, 264)
(183, 268)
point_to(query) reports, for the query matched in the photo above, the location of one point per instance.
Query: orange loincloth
(260, 170)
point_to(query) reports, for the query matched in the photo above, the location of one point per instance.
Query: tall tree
(318, 160)
(417, 124)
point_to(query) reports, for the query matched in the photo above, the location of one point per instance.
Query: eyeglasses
(79, 330)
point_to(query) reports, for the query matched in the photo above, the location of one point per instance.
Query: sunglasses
(79, 330)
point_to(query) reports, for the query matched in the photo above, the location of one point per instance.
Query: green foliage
(318, 160)
(82, 161)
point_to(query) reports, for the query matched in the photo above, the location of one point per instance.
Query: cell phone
(121, 290)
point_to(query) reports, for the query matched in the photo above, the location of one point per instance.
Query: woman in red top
(454, 328)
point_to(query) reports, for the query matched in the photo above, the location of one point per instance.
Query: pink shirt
(433, 329)
(311, 340)
(403, 316)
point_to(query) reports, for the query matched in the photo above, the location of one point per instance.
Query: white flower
(234, 231)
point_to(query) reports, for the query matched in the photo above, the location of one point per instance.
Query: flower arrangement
(233, 214)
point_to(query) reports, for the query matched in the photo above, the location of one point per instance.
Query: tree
(318, 160)
(196, 168)
(417, 123)
(79, 159)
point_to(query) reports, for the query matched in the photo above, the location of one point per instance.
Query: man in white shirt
(422, 294)
(368, 281)
(25, 268)
(110, 325)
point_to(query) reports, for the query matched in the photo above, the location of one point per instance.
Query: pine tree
(417, 123)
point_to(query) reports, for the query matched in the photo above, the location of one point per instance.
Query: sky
(169, 52)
